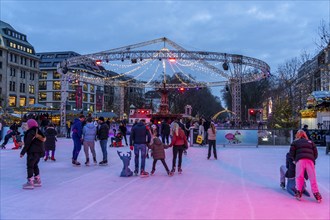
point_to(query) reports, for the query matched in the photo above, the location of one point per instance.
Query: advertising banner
(99, 100)
(78, 97)
(237, 137)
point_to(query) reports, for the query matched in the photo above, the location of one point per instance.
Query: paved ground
(242, 184)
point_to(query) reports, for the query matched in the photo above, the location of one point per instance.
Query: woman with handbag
(179, 142)
(34, 148)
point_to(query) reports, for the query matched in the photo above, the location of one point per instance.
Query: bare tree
(324, 35)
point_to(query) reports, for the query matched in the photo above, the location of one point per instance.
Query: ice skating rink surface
(242, 184)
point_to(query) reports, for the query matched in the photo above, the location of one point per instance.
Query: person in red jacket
(305, 153)
(179, 143)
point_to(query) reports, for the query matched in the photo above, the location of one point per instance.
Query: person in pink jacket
(211, 137)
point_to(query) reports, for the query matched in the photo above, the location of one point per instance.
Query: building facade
(19, 69)
(83, 95)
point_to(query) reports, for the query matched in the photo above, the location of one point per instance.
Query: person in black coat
(304, 152)
(165, 131)
(102, 135)
(50, 143)
(289, 171)
(123, 130)
(34, 148)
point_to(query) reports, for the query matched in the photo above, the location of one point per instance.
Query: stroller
(117, 140)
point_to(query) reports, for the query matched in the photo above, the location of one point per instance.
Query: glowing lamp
(172, 59)
(98, 62)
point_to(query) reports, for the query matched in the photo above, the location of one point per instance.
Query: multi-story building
(313, 85)
(313, 75)
(19, 69)
(50, 83)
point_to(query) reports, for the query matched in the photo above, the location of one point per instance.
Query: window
(72, 96)
(23, 74)
(56, 75)
(12, 101)
(92, 88)
(91, 98)
(85, 87)
(42, 85)
(0, 65)
(32, 101)
(43, 75)
(22, 101)
(84, 97)
(31, 76)
(42, 96)
(12, 72)
(12, 86)
(22, 87)
(0, 79)
(0, 52)
(56, 85)
(57, 96)
(31, 89)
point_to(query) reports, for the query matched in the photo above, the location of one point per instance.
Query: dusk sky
(273, 31)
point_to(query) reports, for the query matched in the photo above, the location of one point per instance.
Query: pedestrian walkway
(242, 184)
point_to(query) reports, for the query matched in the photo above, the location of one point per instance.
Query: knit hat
(32, 123)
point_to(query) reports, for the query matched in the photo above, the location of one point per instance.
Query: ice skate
(136, 172)
(152, 172)
(37, 181)
(87, 162)
(282, 185)
(103, 163)
(298, 195)
(95, 161)
(144, 174)
(75, 163)
(173, 170)
(318, 197)
(169, 173)
(53, 158)
(29, 184)
(179, 170)
(306, 193)
(3, 146)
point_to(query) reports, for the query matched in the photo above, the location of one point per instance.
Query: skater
(102, 135)
(34, 148)
(139, 138)
(13, 132)
(305, 153)
(77, 138)
(305, 129)
(1, 129)
(179, 142)
(158, 153)
(165, 131)
(89, 137)
(212, 133)
(50, 143)
(289, 171)
(201, 131)
(68, 129)
(123, 130)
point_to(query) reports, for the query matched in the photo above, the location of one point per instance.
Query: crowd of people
(40, 142)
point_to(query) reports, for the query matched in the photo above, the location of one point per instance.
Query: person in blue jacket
(77, 129)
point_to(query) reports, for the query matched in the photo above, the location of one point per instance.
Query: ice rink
(242, 184)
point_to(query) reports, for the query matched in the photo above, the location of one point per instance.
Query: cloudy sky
(273, 31)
